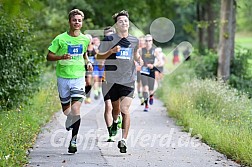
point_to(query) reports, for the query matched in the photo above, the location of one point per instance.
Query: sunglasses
(148, 40)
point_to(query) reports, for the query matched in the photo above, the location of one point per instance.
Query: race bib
(145, 70)
(75, 50)
(125, 53)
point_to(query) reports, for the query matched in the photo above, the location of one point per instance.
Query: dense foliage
(19, 62)
(205, 66)
(241, 71)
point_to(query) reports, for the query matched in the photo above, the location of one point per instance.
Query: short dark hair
(121, 13)
(75, 12)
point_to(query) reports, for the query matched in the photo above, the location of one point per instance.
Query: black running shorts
(117, 91)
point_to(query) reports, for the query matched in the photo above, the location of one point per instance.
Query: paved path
(154, 140)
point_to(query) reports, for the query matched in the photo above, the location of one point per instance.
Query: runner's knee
(125, 109)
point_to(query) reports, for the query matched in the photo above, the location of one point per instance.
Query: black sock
(88, 90)
(109, 130)
(76, 125)
(146, 102)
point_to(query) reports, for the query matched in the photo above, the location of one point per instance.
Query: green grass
(244, 39)
(19, 128)
(216, 112)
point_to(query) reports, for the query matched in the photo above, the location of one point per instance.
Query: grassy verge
(19, 128)
(215, 112)
(244, 39)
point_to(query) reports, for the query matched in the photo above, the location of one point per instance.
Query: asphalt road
(154, 140)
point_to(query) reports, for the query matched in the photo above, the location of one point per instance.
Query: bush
(205, 66)
(19, 62)
(241, 71)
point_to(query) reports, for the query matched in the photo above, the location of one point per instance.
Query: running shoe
(113, 130)
(146, 108)
(88, 100)
(111, 139)
(151, 100)
(122, 146)
(142, 101)
(119, 124)
(68, 122)
(72, 147)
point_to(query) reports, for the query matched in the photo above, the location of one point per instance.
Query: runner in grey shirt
(120, 66)
(120, 51)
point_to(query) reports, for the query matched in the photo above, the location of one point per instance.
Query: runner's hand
(151, 66)
(116, 49)
(89, 66)
(141, 62)
(65, 57)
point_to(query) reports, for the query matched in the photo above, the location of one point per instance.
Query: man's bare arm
(105, 55)
(52, 57)
(138, 58)
(87, 61)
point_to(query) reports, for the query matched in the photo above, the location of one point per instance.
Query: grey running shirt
(120, 67)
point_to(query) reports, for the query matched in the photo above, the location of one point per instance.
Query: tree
(20, 64)
(201, 20)
(210, 28)
(243, 15)
(226, 38)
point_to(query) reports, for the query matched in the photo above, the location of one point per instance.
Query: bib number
(75, 50)
(125, 53)
(145, 70)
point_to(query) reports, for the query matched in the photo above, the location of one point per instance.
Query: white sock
(124, 140)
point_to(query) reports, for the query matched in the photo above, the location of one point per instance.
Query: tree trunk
(233, 29)
(200, 17)
(210, 28)
(226, 40)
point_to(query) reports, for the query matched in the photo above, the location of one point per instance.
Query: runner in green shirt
(68, 49)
